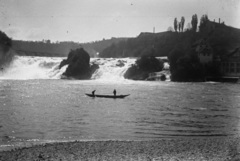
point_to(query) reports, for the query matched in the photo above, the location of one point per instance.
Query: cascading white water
(111, 68)
(26, 67)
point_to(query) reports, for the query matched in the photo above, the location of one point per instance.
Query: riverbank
(219, 149)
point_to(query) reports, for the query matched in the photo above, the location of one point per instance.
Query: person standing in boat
(93, 92)
(114, 92)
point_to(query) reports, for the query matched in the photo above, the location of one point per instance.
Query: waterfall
(32, 67)
(26, 67)
(111, 68)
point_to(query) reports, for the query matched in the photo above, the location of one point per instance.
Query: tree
(173, 57)
(175, 24)
(194, 22)
(144, 66)
(203, 22)
(179, 26)
(189, 26)
(182, 22)
(149, 63)
(170, 29)
(185, 65)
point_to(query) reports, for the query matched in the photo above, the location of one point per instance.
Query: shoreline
(219, 148)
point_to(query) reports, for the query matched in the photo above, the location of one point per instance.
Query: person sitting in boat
(93, 92)
(114, 92)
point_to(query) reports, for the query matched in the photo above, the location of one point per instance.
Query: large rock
(94, 67)
(120, 63)
(6, 53)
(78, 65)
(142, 68)
(135, 73)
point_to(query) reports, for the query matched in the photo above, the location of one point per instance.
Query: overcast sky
(90, 20)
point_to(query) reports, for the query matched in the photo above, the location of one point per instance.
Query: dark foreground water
(58, 110)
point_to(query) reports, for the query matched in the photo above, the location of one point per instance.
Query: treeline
(44, 48)
(156, 44)
(193, 26)
(48, 48)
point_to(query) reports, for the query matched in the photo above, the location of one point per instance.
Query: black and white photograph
(119, 80)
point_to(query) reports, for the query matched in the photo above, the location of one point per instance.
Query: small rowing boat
(107, 96)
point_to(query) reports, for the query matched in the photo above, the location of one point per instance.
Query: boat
(107, 96)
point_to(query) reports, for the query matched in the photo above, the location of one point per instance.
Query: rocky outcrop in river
(78, 62)
(143, 67)
(6, 54)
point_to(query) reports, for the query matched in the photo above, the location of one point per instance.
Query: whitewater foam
(28, 67)
(25, 67)
(111, 69)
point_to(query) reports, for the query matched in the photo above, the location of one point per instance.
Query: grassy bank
(219, 149)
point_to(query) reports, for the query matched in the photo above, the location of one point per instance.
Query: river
(38, 107)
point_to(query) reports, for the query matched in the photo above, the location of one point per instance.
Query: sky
(91, 20)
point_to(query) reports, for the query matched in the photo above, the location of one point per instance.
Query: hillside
(46, 48)
(182, 49)
(215, 39)
(154, 44)
(221, 37)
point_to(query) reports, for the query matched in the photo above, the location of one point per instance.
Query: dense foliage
(149, 64)
(203, 23)
(185, 65)
(194, 22)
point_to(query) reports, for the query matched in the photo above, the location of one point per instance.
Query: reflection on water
(59, 110)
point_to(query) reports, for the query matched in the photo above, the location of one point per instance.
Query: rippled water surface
(59, 110)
